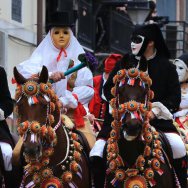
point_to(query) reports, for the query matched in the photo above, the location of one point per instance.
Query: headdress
(152, 32)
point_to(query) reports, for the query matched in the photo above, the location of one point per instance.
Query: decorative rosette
(47, 152)
(77, 156)
(148, 174)
(148, 137)
(30, 88)
(45, 161)
(36, 166)
(44, 131)
(121, 74)
(135, 181)
(44, 88)
(77, 146)
(74, 167)
(157, 153)
(140, 162)
(52, 182)
(46, 173)
(113, 148)
(67, 177)
(113, 102)
(133, 73)
(143, 108)
(132, 106)
(113, 91)
(111, 156)
(114, 134)
(122, 108)
(23, 126)
(147, 151)
(116, 124)
(35, 127)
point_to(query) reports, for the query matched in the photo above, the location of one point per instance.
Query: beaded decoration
(147, 163)
(39, 169)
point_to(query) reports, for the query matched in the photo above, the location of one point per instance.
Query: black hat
(61, 19)
(184, 58)
(152, 32)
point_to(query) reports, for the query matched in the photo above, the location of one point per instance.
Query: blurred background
(102, 26)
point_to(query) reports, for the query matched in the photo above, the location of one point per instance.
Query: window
(17, 10)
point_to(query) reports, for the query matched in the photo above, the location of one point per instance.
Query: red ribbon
(60, 53)
(79, 113)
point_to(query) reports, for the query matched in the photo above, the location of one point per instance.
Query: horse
(135, 151)
(54, 155)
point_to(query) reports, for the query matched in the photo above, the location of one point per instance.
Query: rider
(97, 105)
(59, 51)
(181, 116)
(147, 42)
(6, 140)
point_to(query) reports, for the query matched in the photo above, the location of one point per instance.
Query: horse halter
(137, 110)
(42, 173)
(148, 162)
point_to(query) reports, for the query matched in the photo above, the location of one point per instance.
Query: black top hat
(61, 19)
(152, 32)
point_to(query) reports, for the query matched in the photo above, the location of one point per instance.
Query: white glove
(160, 111)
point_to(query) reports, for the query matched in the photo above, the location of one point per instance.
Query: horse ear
(43, 75)
(18, 77)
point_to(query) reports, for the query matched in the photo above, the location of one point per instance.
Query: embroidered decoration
(149, 162)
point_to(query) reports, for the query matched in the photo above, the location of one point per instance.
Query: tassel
(46, 98)
(132, 115)
(131, 82)
(30, 101)
(72, 185)
(152, 182)
(160, 172)
(114, 182)
(35, 100)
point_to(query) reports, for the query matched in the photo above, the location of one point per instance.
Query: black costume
(165, 85)
(6, 104)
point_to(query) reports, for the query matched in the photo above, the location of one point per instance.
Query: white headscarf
(46, 54)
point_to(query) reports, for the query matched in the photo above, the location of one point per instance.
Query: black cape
(165, 85)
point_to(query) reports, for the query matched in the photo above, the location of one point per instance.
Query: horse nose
(32, 149)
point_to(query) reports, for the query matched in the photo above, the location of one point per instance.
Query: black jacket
(6, 104)
(165, 85)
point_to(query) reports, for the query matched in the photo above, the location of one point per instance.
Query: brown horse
(53, 154)
(134, 152)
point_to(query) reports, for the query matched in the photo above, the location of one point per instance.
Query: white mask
(136, 44)
(181, 69)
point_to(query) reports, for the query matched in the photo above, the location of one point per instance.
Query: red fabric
(79, 113)
(13, 81)
(95, 103)
(60, 53)
(177, 120)
(110, 62)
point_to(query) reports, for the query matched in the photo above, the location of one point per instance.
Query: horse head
(35, 103)
(131, 104)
